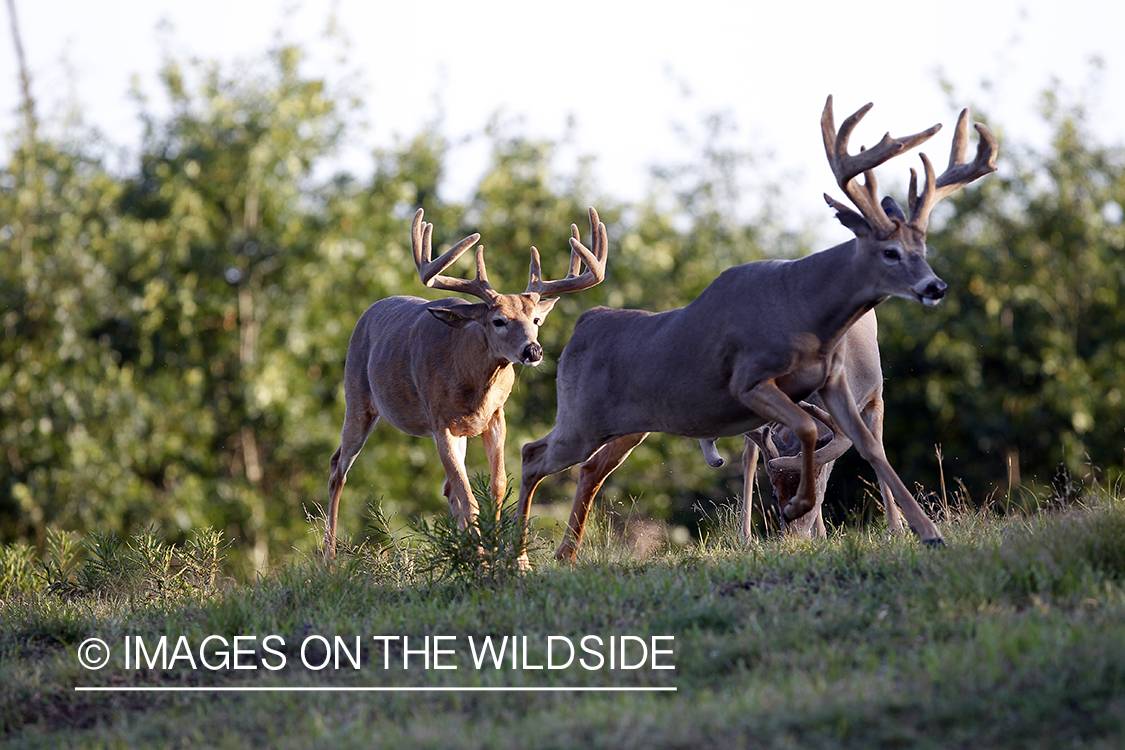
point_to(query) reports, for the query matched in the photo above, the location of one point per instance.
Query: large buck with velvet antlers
(444, 369)
(762, 337)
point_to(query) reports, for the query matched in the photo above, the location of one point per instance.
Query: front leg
(771, 403)
(494, 435)
(841, 405)
(451, 451)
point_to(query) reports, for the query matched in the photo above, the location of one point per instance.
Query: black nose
(936, 289)
(532, 353)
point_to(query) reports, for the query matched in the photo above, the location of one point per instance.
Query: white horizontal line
(334, 689)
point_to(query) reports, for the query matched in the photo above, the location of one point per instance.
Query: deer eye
(892, 254)
(537, 321)
(499, 322)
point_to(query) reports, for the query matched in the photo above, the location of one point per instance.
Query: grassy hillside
(1013, 636)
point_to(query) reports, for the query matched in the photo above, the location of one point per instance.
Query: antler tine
(846, 167)
(594, 261)
(957, 175)
(766, 442)
(430, 270)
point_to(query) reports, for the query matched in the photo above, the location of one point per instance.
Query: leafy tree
(66, 395)
(225, 188)
(1018, 374)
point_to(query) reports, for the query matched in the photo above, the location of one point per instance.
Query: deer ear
(458, 316)
(854, 222)
(544, 305)
(891, 209)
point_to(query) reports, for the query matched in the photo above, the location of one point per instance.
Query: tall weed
(17, 569)
(143, 568)
(485, 551)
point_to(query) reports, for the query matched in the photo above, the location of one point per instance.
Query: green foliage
(143, 569)
(437, 550)
(17, 563)
(56, 568)
(62, 389)
(172, 339)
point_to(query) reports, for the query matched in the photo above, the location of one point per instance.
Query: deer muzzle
(931, 292)
(532, 354)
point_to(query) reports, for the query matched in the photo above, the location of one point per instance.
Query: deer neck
(483, 365)
(837, 289)
(474, 384)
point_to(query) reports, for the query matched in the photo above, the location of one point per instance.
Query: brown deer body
(444, 369)
(762, 337)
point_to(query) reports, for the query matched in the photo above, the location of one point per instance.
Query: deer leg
(494, 435)
(358, 425)
(821, 532)
(591, 476)
(451, 451)
(460, 448)
(533, 455)
(873, 418)
(749, 479)
(767, 400)
(814, 527)
(841, 405)
(541, 458)
(784, 482)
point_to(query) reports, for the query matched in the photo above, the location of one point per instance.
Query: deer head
(510, 321)
(881, 228)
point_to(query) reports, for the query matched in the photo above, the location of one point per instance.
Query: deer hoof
(524, 563)
(565, 553)
(935, 543)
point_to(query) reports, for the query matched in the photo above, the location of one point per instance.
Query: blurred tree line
(172, 339)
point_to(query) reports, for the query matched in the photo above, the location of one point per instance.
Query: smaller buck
(444, 369)
(782, 450)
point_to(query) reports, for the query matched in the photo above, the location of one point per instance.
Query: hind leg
(591, 477)
(541, 458)
(873, 418)
(358, 424)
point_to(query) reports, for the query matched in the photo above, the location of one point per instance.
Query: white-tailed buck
(443, 369)
(781, 449)
(762, 337)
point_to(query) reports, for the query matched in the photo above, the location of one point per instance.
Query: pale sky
(625, 72)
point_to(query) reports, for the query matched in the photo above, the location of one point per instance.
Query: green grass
(1012, 637)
